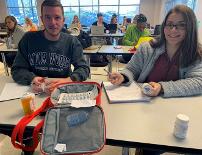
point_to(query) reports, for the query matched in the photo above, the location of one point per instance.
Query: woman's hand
(116, 78)
(156, 89)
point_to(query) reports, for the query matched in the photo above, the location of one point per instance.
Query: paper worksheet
(13, 91)
(125, 94)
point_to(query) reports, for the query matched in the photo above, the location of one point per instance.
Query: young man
(100, 21)
(134, 32)
(49, 53)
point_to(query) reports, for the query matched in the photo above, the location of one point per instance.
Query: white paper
(13, 91)
(83, 103)
(125, 94)
(60, 147)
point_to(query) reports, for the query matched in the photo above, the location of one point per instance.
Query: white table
(4, 49)
(107, 35)
(3, 34)
(111, 50)
(147, 125)
(117, 50)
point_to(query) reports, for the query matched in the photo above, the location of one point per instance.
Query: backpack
(67, 120)
(84, 39)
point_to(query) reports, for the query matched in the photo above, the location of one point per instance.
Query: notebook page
(125, 94)
(13, 91)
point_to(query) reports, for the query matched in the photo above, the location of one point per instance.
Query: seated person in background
(172, 65)
(135, 19)
(15, 33)
(76, 23)
(134, 32)
(113, 21)
(124, 24)
(29, 25)
(49, 53)
(100, 21)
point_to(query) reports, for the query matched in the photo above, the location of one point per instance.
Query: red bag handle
(18, 131)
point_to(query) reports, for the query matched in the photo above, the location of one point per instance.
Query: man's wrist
(75, 77)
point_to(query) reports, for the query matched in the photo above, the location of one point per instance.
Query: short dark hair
(141, 18)
(114, 15)
(99, 14)
(52, 3)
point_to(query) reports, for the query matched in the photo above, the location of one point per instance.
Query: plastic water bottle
(114, 42)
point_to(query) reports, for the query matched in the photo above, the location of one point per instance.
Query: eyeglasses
(180, 26)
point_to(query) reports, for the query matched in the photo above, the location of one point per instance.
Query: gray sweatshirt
(140, 65)
(38, 56)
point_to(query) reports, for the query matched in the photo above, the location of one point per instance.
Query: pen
(109, 74)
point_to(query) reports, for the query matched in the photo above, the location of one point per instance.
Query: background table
(114, 50)
(4, 49)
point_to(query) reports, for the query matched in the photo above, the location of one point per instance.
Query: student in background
(100, 21)
(15, 33)
(134, 32)
(124, 24)
(29, 25)
(135, 19)
(172, 65)
(76, 23)
(113, 20)
(49, 53)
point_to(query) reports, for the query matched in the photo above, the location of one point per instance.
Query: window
(23, 8)
(87, 10)
(171, 3)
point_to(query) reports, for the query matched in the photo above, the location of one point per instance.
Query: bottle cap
(182, 118)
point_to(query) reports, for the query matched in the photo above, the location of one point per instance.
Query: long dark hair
(12, 18)
(190, 48)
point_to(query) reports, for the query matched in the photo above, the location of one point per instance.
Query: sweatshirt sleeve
(127, 36)
(21, 71)
(81, 69)
(190, 83)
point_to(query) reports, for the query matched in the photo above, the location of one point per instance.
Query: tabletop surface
(110, 49)
(4, 49)
(150, 123)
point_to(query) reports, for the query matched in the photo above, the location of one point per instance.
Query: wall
(151, 9)
(3, 10)
(198, 12)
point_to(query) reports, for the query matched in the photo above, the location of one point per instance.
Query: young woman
(172, 65)
(176, 55)
(76, 22)
(15, 33)
(29, 25)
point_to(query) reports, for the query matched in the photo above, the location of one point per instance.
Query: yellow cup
(28, 103)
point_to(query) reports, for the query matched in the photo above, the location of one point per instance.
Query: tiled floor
(98, 73)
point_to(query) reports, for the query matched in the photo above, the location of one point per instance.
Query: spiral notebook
(125, 94)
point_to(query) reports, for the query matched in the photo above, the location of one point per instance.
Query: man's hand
(51, 84)
(36, 84)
